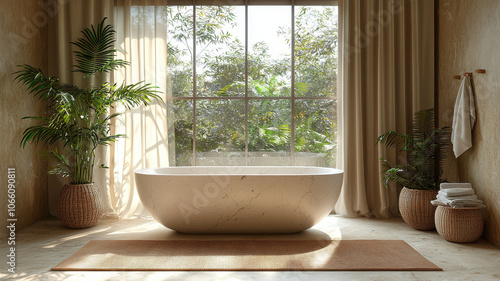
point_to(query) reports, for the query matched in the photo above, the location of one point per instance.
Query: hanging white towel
(464, 118)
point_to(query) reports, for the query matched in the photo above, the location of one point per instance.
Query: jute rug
(354, 255)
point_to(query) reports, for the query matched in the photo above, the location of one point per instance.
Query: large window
(252, 85)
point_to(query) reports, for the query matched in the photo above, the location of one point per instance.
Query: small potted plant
(78, 120)
(426, 150)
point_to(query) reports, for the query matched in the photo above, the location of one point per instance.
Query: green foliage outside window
(223, 75)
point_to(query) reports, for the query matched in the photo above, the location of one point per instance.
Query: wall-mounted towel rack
(460, 76)
(482, 71)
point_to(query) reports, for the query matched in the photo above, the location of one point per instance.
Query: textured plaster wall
(469, 39)
(24, 41)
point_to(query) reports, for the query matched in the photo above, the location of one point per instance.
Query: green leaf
(95, 50)
(427, 149)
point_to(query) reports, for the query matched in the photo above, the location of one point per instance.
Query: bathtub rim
(315, 171)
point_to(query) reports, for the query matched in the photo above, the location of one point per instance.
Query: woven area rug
(353, 255)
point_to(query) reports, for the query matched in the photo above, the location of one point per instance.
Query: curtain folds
(386, 62)
(141, 40)
(69, 19)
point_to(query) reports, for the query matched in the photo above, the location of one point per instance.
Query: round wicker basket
(459, 224)
(416, 208)
(79, 205)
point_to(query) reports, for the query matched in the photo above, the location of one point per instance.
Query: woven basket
(459, 224)
(416, 208)
(80, 205)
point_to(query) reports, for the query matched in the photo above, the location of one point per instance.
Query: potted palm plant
(78, 120)
(426, 150)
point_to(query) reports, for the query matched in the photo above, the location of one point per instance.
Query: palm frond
(37, 83)
(426, 149)
(96, 53)
(112, 65)
(109, 139)
(134, 94)
(393, 139)
(442, 139)
(423, 123)
(41, 134)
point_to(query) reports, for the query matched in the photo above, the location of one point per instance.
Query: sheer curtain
(65, 25)
(386, 64)
(141, 40)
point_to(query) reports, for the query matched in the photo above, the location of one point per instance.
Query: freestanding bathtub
(239, 199)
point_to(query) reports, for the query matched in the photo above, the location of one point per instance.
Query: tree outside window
(231, 81)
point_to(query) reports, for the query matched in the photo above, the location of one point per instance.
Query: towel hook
(482, 71)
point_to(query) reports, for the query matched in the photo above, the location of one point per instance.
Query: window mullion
(246, 83)
(194, 85)
(292, 90)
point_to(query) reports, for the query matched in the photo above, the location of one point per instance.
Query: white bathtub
(239, 199)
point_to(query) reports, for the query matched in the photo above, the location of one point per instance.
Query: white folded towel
(461, 197)
(466, 203)
(458, 203)
(446, 185)
(438, 202)
(464, 118)
(459, 191)
(457, 195)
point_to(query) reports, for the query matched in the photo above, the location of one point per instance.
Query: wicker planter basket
(79, 205)
(459, 224)
(416, 208)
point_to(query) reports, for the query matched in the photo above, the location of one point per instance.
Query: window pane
(269, 51)
(220, 51)
(316, 51)
(315, 132)
(269, 132)
(180, 137)
(220, 132)
(179, 50)
(220, 72)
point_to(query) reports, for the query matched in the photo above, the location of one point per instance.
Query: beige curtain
(386, 64)
(141, 40)
(67, 21)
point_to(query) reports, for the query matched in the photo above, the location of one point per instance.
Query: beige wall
(24, 41)
(469, 39)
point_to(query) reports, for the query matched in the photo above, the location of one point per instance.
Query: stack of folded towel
(457, 195)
